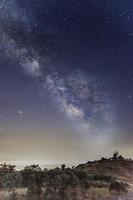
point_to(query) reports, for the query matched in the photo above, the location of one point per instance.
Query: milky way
(78, 95)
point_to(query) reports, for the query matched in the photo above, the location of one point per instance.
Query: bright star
(20, 112)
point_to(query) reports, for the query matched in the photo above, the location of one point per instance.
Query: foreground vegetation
(106, 179)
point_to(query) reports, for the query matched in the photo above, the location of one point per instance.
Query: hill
(110, 179)
(105, 179)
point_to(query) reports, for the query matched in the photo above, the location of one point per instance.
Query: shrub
(118, 187)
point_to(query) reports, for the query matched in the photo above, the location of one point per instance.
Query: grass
(7, 195)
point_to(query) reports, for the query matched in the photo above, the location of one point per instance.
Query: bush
(118, 187)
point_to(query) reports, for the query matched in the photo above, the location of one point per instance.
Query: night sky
(66, 80)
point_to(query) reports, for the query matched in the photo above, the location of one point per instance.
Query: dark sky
(66, 80)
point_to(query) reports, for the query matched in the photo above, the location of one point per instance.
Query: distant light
(20, 112)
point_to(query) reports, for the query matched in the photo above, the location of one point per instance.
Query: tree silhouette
(33, 179)
(10, 178)
(115, 155)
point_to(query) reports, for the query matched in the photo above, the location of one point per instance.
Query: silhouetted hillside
(106, 179)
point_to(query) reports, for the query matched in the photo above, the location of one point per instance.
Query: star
(20, 112)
